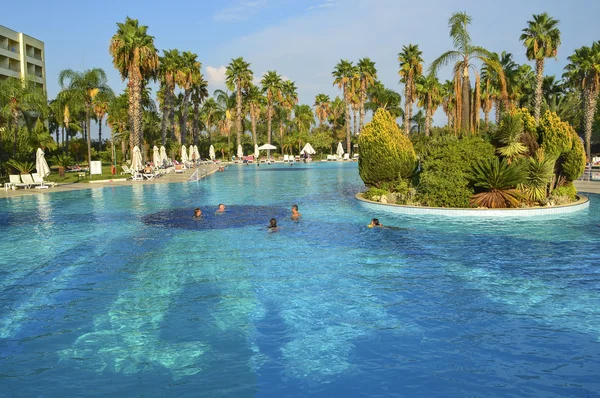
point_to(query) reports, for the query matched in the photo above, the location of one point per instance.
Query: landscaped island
(518, 164)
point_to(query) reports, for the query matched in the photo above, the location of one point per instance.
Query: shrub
(446, 164)
(375, 194)
(386, 154)
(20, 167)
(554, 135)
(567, 191)
(573, 161)
(540, 170)
(528, 121)
(499, 180)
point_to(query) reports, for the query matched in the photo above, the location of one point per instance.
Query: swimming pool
(119, 291)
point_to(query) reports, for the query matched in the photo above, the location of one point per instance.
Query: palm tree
(118, 120)
(463, 56)
(449, 102)
(199, 93)
(226, 105)
(255, 101)
(271, 84)
(322, 107)
(210, 111)
(289, 98)
(187, 73)
(169, 64)
(541, 38)
(17, 97)
(584, 71)
(343, 74)
(100, 104)
(418, 122)
(367, 75)
(84, 86)
(238, 78)
(428, 90)
(136, 59)
(410, 69)
(304, 118)
(381, 97)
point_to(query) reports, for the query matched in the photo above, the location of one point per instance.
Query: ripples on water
(120, 291)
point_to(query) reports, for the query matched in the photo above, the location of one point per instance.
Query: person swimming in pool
(295, 214)
(273, 225)
(375, 223)
(197, 212)
(221, 208)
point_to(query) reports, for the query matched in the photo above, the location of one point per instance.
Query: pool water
(120, 291)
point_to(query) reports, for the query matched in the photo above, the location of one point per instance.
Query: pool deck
(588, 186)
(206, 170)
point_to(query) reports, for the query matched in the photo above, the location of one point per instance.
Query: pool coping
(581, 204)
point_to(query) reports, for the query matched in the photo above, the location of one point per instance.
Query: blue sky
(302, 39)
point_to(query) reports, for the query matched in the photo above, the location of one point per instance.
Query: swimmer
(295, 214)
(221, 208)
(273, 225)
(375, 223)
(197, 212)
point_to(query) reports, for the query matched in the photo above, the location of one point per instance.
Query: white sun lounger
(28, 179)
(40, 180)
(15, 181)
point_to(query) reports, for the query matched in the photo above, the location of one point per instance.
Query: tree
(100, 105)
(17, 97)
(136, 59)
(287, 101)
(118, 120)
(381, 97)
(428, 90)
(584, 71)
(343, 74)
(238, 78)
(463, 56)
(449, 102)
(322, 107)
(169, 64)
(541, 38)
(367, 76)
(199, 93)
(255, 102)
(304, 118)
(271, 84)
(187, 74)
(411, 68)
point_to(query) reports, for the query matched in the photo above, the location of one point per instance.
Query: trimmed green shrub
(567, 191)
(446, 170)
(375, 194)
(573, 162)
(386, 154)
(554, 135)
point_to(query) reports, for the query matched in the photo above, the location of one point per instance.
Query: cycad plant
(540, 170)
(509, 135)
(499, 180)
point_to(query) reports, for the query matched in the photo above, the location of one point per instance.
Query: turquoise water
(119, 291)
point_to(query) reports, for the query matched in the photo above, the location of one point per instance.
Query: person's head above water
(273, 223)
(295, 211)
(197, 212)
(375, 223)
(221, 208)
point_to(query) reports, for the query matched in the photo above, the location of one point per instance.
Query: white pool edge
(582, 204)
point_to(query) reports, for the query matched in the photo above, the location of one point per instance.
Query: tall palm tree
(322, 107)
(541, 38)
(584, 71)
(367, 75)
(552, 91)
(226, 104)
(84, 87)
(187, 73)
(428, 90)
(169, 63)
(210, 111)
(449, 101)
(289, 98)
(100, 104)
(17, 97)
(238, 78)
(118, 120)
(136, 59)
(199, 93)
(255, 101)
(418, 122)
(271, 84)
(381, 97)
(304, 118)
(463, 56)
(343, 74)
(411, 67)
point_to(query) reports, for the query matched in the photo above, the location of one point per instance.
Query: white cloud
(240, 11)
(215, 76)
(327, 4)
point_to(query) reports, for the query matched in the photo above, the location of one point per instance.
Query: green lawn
(74, 177)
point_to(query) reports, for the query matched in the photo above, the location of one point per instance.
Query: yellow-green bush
(554, 135)
(573, 161)
(386, 154)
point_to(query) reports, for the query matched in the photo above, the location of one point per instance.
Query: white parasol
(256, 151)
(136, 159)
(191, 153)
(308, 149)
(184, 156)
(163, 155)
(41, 166)
(240, 152)
(267, 147)
(156, 156)
(196, 153)
(340, 150)
(211, 152)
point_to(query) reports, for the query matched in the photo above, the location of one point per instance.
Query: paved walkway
(588, 186)
(205, 170)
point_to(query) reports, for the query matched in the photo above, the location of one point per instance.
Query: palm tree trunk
(89, 136)
(254, 138)
(135, 108)
(238, 117)
(428, 117)
(163, 126)
(347, 118)
(16, 132)
(100, 134)
(466, 105)
(486, 115)
(590, 98)
(407, 106)
(497, 107)
(186, 109)
(195, 123)
(281, 133)
(63, 139)
(355, 122)
(539, 79)
(269, 117)
(361, 116)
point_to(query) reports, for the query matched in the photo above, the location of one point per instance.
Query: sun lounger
(126, 170)
(28, 179)
(346, 156)
(178, 168)
(286, 158)
(15, 181)
(40, 180)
